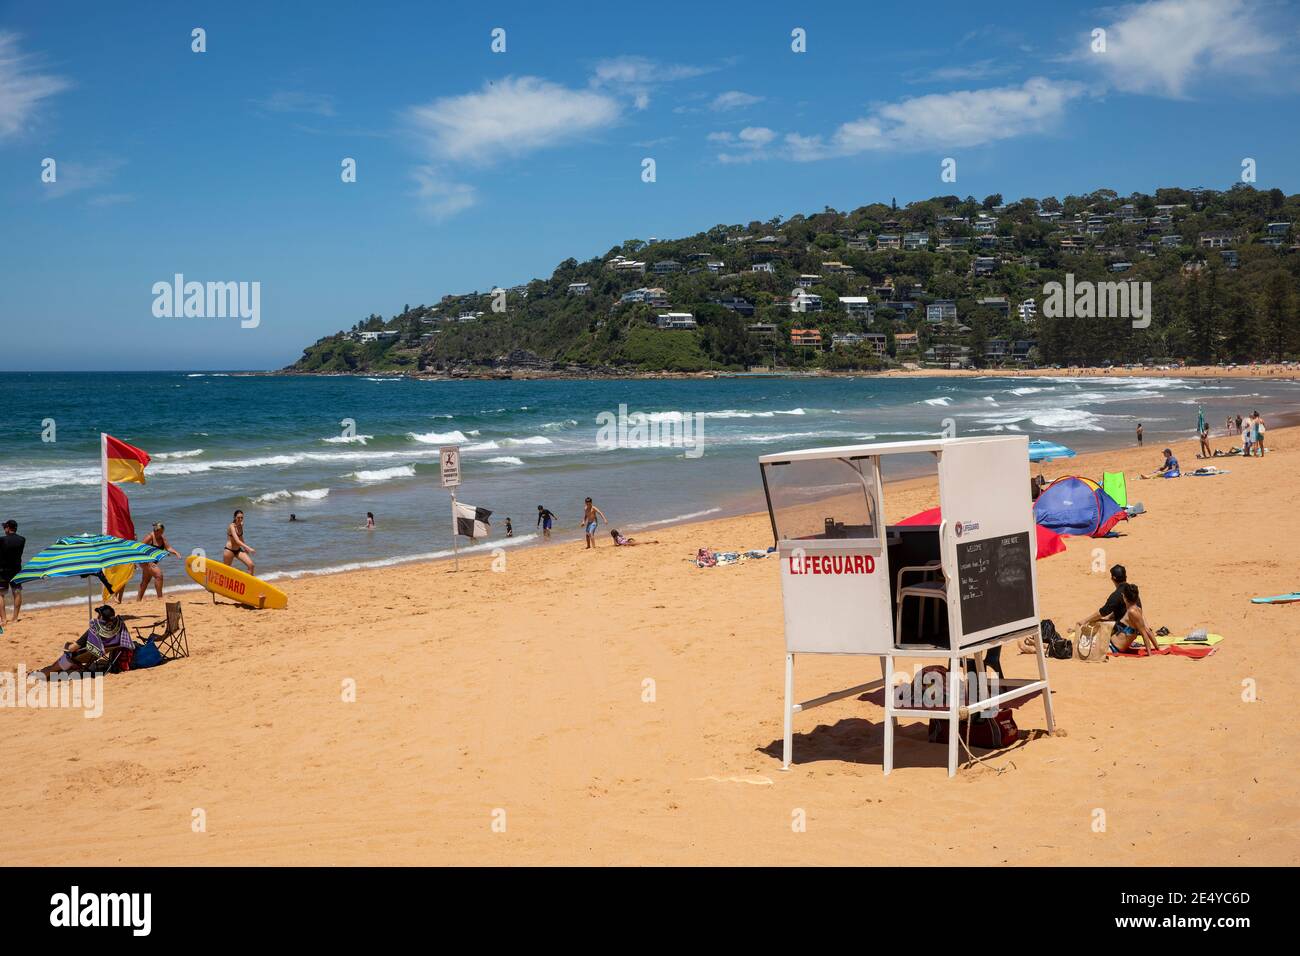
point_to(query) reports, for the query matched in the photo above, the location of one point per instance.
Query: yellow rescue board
(232, 583)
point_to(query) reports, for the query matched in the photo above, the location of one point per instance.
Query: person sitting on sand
(621, 542)
(1113, 609)
(106, 632)
(156, 539)
(1170, 467)
(1132, 625)
(236, 546)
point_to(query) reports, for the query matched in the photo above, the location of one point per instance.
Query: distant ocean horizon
(331, 448)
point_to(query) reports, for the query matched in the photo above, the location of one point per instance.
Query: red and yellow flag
(123, 462)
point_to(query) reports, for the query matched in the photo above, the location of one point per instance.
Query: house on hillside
(806, 338)
(675, 320)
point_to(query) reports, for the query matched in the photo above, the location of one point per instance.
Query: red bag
(989, 733)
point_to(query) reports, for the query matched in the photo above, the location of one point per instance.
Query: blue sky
(477, 169)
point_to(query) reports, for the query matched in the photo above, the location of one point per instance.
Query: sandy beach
(518, 696)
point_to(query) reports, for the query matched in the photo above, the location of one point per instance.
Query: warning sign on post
(450, 457)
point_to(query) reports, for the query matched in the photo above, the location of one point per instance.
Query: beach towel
(1208, 471)
(1112, 482)
(1175, 646)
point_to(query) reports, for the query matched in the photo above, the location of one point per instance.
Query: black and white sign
(449, 456)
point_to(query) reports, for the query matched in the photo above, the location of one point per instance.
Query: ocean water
(331, 449)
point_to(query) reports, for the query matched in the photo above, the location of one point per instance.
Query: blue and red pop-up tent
(1078, 506)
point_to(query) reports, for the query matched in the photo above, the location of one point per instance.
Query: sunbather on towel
(1132, 625)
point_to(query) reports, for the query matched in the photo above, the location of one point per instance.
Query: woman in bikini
(148, 572)
(1132, 625)
(236, 546)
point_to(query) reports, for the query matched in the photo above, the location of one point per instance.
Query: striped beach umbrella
(86, 555)
(1040, 450)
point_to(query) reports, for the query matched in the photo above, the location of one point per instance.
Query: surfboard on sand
(239, 586)
(1278, 599)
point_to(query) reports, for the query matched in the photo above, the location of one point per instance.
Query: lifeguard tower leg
(789, 713)
(1047, 691)
(954, 712)
(887, 665)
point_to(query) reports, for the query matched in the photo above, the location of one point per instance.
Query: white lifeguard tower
(952, 590)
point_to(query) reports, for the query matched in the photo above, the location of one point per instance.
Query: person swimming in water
(236, 546)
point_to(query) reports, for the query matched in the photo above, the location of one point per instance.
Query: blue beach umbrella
(1040, 450)
(86, 556)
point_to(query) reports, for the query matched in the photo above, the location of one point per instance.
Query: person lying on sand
(236, 546)
(622, 542)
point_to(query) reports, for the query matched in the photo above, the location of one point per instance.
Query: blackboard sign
(995, 580)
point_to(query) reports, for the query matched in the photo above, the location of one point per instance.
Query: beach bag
(1091, 646)
(146, 655)
(1055, 645)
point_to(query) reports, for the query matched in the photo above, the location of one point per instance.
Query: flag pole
(455, 544)
(103, 482)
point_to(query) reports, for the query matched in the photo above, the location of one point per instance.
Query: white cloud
(22, 87)
(637, 76)
(750, 143)
(294, 101)
(1164, 46)
(934, 121)
(733, 99)
(509, 118)
(438, 196)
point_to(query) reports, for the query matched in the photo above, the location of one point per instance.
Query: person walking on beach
(1139, 434)
(11, 562)
(590, 515)
(1259, 433)
(1238, 424)
(156, 539)
(1247, 437)
(545, 520)
(236, 546)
